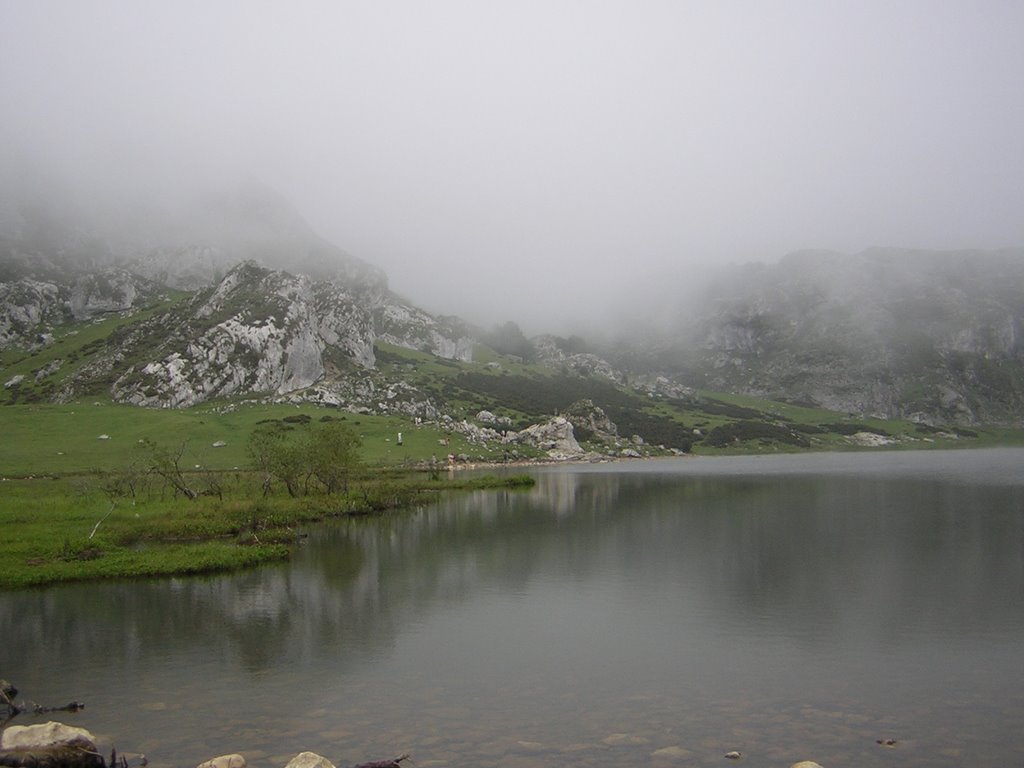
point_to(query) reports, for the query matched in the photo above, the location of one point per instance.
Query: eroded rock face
(26, 306)
(258, 331)
(112, 290)
(406, 326)
(554, 436)
(550, 349)
(591, 421)
(262, 331)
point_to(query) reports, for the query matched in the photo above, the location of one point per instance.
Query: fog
(540, 161)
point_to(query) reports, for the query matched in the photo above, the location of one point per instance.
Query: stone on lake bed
(805, 764)
(673, 752)
(224, 761)
(734, 755)
(623, 740)
(309, 760)
(532, 746)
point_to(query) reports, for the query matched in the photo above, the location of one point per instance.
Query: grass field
(69, 439)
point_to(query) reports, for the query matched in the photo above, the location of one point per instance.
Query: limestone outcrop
(554, 436)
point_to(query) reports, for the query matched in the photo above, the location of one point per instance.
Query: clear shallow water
(789, 607)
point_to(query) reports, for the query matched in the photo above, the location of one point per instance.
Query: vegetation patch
(157, 517)
(852, 428)
(743, 431)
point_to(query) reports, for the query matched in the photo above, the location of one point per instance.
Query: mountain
(207, 307)
(235, 297)
(925, 335)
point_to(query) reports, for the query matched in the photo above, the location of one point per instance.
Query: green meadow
(77, 501)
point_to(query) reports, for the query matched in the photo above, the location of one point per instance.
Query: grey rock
(309, 760)
(48, 745)
(224, 761)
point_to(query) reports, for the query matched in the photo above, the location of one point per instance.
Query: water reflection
(602, 600)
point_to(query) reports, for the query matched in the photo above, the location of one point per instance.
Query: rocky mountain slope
(239, 297)
(895, 333)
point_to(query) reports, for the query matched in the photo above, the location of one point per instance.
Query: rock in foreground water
(224, 761)
(309, 760)
(49, 745)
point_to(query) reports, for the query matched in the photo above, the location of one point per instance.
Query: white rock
(51, 734)
(623, 740)
(674, 753)
(224, 761)
(309, 760)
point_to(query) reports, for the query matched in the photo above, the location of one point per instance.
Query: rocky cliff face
(269, 332)
(257, 331)
(249, 327)
(404, 325)
(30, 308)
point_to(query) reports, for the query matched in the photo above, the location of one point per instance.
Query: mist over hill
(892, 332)
(234, 293)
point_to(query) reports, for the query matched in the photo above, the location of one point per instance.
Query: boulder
(309, 760)
(805, 764)
(554, 436)
(49, 745)
(591, 421)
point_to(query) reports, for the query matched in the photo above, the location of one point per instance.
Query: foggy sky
(532, 159)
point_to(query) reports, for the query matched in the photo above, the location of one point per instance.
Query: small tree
(265, 445)
(123, 482)
(166, 463)
(333, 455)
(277, 455)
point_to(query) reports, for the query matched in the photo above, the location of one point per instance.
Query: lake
(660, 612)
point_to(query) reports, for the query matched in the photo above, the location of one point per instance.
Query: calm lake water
(650, 613)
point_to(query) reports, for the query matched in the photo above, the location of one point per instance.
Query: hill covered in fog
(234, 294)
(892, 332)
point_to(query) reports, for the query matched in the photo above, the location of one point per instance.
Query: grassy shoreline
(61, 519)
(65, 529)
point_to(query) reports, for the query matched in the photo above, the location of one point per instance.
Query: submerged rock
(672, 753)
(623, 740)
